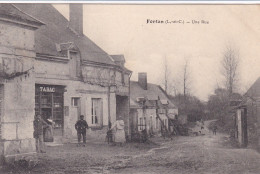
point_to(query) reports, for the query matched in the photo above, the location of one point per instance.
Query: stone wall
(17, 65)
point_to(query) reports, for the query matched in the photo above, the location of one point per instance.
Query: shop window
(96, 112)
(75, 101)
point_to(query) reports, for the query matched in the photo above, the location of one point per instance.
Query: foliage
(221, 103)
(230, 63)
(189, 105)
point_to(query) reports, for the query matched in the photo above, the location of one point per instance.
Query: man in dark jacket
(81, 127)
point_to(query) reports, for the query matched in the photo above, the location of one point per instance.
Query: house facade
(150, 107)
(66, 76)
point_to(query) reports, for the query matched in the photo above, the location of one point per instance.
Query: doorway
(49, 103)
(122, 109)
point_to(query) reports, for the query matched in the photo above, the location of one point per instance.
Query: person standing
(81, 126)
(39, 124)
(119, 131)
(215, 129)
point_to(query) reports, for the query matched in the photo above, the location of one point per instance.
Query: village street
(191, 154)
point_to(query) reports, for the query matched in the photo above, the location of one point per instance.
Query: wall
(17, 55)
(52, 69)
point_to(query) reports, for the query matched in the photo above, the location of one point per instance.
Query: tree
(185, 78)
(169, 83)
(218, 103)
(190, 106)
(186, 81)
(166, 75)
(230, 63)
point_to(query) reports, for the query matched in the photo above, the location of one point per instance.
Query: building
(17, 81)
(150, 107)
(67, 75)
(248, 121)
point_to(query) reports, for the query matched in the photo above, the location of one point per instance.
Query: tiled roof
(56, 31)
(153, 92)
(11, 11)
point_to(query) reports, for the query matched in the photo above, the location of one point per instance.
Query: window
(75, 101)
(123, 78)
(96, 112)
(142, 123)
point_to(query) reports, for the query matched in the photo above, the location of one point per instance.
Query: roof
(118, 58)
(56, 31)
(254, 90)
(152, 94)
(12, 12)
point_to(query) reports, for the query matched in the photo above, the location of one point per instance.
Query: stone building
(17, 81)
(66, 75)
(150, 107)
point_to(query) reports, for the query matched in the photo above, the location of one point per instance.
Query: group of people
(43, 131)
(116, 130)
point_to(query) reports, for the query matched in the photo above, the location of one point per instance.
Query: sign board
(49, 88)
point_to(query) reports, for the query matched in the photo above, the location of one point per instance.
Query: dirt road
(199, 154)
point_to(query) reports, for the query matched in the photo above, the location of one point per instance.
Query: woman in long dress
(118, 128)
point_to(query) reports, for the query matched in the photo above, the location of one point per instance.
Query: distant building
(150, 107)
(248, 117)
(56, 72)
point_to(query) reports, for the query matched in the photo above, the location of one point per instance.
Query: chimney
(142, 80)
(76, 18)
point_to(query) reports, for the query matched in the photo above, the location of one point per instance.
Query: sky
(123, 29)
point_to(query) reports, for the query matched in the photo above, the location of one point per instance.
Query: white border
(156, 2)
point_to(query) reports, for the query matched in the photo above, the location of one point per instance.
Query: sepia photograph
(129, 88)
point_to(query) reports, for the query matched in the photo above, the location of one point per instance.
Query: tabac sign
(49, 88)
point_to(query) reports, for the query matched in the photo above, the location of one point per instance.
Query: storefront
(49, 103)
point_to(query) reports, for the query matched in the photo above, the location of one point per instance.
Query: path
(200, 154)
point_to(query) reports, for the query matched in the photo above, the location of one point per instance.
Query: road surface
(201, 154)
(192, 154)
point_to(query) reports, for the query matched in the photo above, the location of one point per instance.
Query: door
(49, 103)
